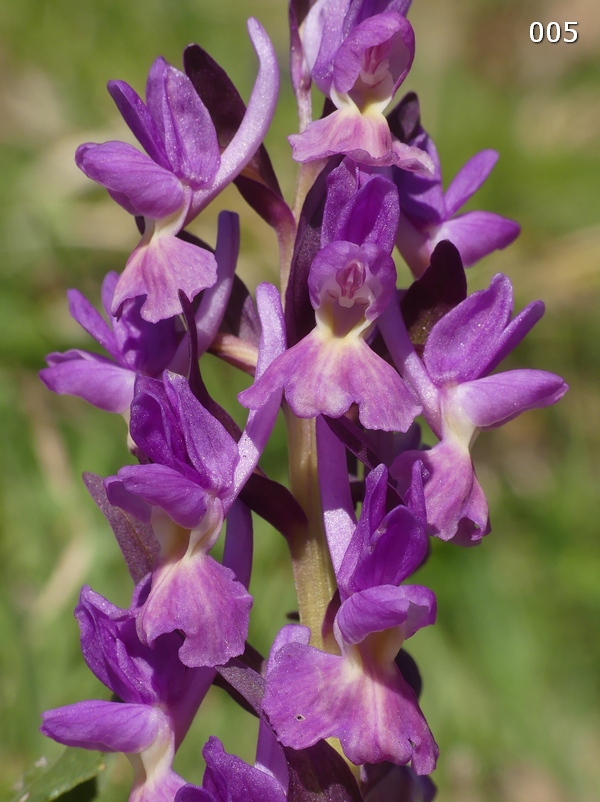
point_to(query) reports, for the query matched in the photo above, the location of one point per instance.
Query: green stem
(313, 571)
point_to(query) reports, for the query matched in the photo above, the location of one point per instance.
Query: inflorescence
(352, 360)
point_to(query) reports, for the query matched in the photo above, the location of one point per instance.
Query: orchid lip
(339, 320)
(366, 106)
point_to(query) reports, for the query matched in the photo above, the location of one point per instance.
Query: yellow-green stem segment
(313, 571)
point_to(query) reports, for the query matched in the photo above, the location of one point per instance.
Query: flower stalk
(313, 572)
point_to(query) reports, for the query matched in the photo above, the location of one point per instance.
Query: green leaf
(73, 777)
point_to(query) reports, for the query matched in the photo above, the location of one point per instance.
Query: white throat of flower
(345, 299)
(456, 426)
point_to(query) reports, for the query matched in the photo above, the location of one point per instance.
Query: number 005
(553, 32)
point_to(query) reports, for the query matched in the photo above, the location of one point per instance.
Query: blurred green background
(511, 671)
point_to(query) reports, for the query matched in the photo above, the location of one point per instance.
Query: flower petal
(382, 608)
(262, 419)
(359, 210)
(92, 321)
(190, 136)
(422, 198)
(113, 652)
(516, 330)
(469, 179)
(324, 376)
(140, 121)
(322, 34)
(151, 190)
(494, 400)
(202, 599)
(366, 139)
(105, 726)
(160, 785)
(155, 93)
(375, 31)
(464, 342)
(92, 377)
(312, 695)
(386, 548)
(159, 270)
(155, 426)
(414, 245)
(228, 777)
(214, 300)
(210, 448)
(237, 552)
(255, 124)
(477, 234)
(413, 159)
(184, 501)
(338, 509)
(456, 505)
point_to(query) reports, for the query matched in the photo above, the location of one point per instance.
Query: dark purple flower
(358, 54)
(136, 347)
(182, 171)
(350, 282)
(159, 696)
(461, 398)
(227, 778)
(430, 215)
(359, 695)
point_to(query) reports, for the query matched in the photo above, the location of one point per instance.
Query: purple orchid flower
(460, 398)
(192, 482)
(227, 778)
(159, 698)
(183, 488)
(358, 54)
(181, 173)
(429, 215)
(359, 695)
(137, 348)
(351, 281)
